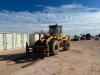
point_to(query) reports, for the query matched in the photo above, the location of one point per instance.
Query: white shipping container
(1, 41)
(13, 40)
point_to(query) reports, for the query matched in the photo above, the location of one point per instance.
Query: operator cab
(55, 29)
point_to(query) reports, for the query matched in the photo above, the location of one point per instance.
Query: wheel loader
(50, 44)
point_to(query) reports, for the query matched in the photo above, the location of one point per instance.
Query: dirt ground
(82, 59)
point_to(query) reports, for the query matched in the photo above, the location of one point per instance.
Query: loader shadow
(19, 58)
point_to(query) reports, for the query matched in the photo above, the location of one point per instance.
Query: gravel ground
(82, 59)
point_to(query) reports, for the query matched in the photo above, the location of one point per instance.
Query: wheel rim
(56, 47)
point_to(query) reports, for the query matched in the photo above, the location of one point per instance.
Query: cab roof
(55, 25)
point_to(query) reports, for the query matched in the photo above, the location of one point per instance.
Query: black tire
(42, 52)
(46, 52)
(54, 47)
(66, 45)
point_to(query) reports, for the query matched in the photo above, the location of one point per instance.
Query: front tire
(54, 47)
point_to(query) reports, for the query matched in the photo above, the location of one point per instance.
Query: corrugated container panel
(14, 40)
(9, 41)
(1, 41)
(31, 39)
(37, 37)
(18, 40)
(25, 39)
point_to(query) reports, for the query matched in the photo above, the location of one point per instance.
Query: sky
(28, 16)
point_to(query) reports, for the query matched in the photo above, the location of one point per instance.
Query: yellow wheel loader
(52, 43)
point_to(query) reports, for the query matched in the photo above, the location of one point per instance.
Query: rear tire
(66, 45)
